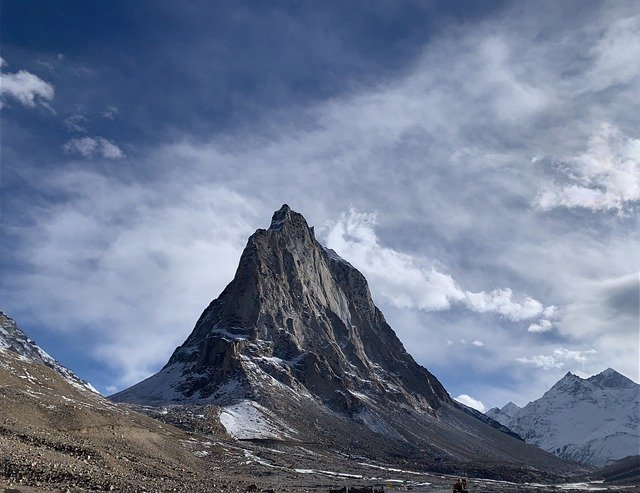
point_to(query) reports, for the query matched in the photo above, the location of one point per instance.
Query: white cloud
(605, 176)
(542, 361)
(577, 356)
(471, 402)
(74, 123)
(403, 280)
(478, 343)
(89, 147)
(110, 113)
(501, 301)
(24, 87)
(128, 267)
(543, 325)
(616, 54)
(558, 359)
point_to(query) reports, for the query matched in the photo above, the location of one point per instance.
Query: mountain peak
(570, 382)
(295, 348)
(591, 420)
(297, 304)
(510, 407)
(280, 216)
(610, 378)
(286, 216)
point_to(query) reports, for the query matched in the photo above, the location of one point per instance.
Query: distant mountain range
(592, 420)
(294, 349)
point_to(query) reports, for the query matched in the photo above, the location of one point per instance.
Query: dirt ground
(58, 439)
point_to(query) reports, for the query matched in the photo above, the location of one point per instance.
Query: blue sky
(478, 161)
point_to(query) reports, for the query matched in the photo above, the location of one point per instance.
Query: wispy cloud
(89, 147)
(605, 176)
(110, 113)
(128, 267)
(615, 54)
(24, 87)
(558, 359)
(75, 123)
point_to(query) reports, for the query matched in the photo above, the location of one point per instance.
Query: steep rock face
(295, 349)
(304, 316)
(594, 420)
(14, 340)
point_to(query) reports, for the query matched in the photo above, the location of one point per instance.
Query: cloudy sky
(479, 162)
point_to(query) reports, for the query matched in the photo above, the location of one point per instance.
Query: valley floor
(238, 466)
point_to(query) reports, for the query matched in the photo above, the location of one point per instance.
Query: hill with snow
(12, 339)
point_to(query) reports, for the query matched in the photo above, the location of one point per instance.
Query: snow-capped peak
(610, 378)
(593, 420)
(510, 409)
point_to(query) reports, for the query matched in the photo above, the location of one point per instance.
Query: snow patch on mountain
(248, 420)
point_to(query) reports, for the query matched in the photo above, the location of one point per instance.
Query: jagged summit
(570, 382)
(284, 215)
(295, 311)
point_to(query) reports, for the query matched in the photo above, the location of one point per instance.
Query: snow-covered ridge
(594, 420)
(13, 339)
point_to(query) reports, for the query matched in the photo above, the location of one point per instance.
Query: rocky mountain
(593, 420)
(295, 350)
(14, 340)
(623, 471)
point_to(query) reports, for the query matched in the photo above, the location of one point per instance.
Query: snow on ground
(376, 424)
(581, 486)
(248, 420)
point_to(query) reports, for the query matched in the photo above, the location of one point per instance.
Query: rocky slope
(295, 350)
(594, 420)
(14, 340)
(57, 434)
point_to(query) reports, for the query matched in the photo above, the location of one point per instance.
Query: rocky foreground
(56, 437)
